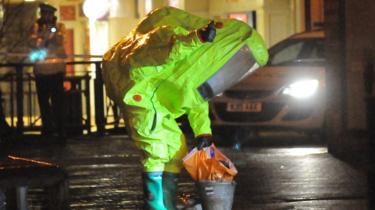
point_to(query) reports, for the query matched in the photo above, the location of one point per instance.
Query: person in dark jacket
(47, 40)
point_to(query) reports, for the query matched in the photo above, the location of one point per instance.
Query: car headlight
(302, 89)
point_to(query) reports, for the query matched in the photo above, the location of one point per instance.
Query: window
(288, 54)
(317, 49)
(297, 52)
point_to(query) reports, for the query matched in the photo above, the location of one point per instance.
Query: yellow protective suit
(153, 75)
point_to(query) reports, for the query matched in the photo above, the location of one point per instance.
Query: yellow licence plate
(244, 107)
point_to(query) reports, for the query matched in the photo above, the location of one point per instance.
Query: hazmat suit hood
(162, 63)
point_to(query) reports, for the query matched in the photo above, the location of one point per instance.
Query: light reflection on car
(287, 94)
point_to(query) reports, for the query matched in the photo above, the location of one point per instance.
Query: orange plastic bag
(209, 164)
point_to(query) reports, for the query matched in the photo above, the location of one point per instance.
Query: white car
(288, 93)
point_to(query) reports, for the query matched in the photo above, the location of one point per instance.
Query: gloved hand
(208, 33)
(203, 141)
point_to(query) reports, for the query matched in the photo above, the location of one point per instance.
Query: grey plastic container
(216, 195)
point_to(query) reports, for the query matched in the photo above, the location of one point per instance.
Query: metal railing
(86, 86)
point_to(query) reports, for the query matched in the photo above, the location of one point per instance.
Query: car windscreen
(297, 51)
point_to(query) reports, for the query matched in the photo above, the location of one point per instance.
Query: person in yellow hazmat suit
(171, 64)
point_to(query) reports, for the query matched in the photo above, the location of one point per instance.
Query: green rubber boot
(153, 191)
(169, 190)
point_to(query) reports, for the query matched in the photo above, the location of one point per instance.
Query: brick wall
(335, 53)
(350, 47)
(360, 46)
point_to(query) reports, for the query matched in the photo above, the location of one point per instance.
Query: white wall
(360, 51)
(123, 20)
(198, 7)
(277, 20)
(221, 8)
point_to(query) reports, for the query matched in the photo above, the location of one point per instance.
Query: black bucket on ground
(216, 195)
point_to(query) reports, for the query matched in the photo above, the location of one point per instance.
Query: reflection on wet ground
(105, 173)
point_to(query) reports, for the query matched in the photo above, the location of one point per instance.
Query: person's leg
(153, 191)
(166, 155)
(154, 158)
(6, 132)
(177, 149)
(4, 127)
(43, 92)
(170, 181)
(57, 101)
(163, 146)
(154, 153)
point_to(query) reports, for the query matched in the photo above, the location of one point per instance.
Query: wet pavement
(105, 173)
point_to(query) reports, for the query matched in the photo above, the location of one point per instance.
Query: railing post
(99, 99)
(88, 107)
(12, 100)
(19, 96)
